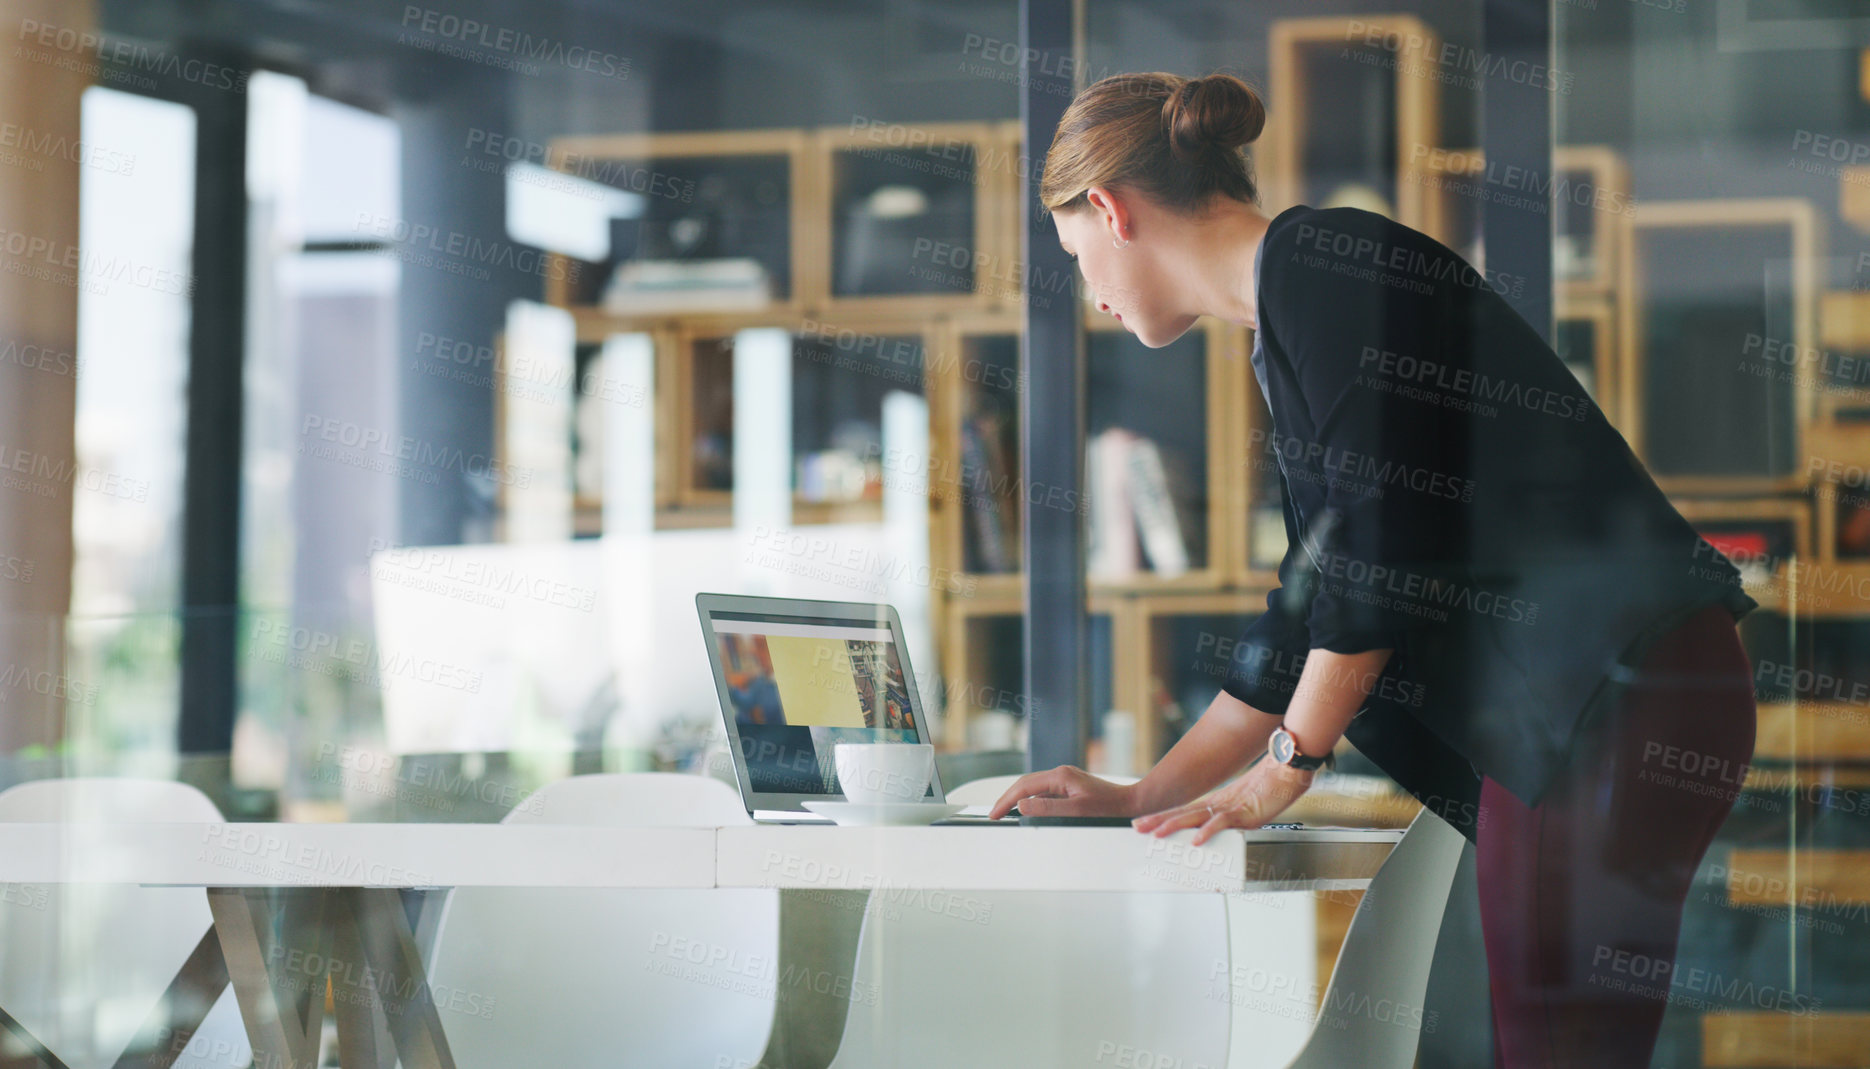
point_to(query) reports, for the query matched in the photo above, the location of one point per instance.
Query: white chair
(1142, 973)
(1372, 1015)
(557, 976)
(84, 967)
(1032, 978)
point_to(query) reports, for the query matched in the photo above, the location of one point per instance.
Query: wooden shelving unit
(1309, 58)
(1783, 523)
(1589, 248)
(966, 321)
(1188, 639)
(1687, 328)
(1843, 505)
(1585, 336)
(1591, 255)
(663, 168)
(983, 662)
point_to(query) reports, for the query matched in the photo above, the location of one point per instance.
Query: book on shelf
(639, 287)
(1111, 547)
(987, 485)
(1155, 510)
(834, 475)
(1137, 516)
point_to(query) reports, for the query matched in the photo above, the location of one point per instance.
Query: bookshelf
(1590, 196)
(703, 194)
(1584, 335)
(1840, 466)
(977, 513)
(1264, 543)
(1366, 73)
(1704, 411)
(1844, 335)
(984, 666)
(1451, 199)
(1593, 203)
(927, 210)
(1175, 398)
(1767, 538)
(1191, 642)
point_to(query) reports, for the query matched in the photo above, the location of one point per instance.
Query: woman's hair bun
(1215, 113)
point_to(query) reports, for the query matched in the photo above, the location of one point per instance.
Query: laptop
(797, 676)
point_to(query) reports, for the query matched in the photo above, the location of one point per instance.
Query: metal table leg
(170, 1027)
(283, 1025)
(354, 942)
(817, 965)
(402, 986)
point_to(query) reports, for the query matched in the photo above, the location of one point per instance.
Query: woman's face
(1125, 282)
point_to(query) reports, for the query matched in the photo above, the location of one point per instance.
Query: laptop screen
(799, 685)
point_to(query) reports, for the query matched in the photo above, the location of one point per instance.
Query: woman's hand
(1066, 791)
(1250, 801)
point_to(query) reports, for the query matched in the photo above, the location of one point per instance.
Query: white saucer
(863, 813)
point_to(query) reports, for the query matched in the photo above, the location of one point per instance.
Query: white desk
(334, 890)
(1047, 859)
(357, 855)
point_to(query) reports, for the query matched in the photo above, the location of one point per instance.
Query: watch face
(1282, 746)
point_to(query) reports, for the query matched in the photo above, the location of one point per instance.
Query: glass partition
(379, 390)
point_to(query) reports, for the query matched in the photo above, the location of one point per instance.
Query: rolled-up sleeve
(1263, 666)
(1387, 447)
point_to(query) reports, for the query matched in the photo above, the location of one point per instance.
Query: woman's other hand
(1248, 802)
(1066, 791)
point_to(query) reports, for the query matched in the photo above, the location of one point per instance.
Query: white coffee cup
(876, 773)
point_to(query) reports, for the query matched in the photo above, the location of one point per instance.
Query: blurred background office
(379, 383)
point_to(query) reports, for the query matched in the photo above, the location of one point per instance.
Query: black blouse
(1451, 493)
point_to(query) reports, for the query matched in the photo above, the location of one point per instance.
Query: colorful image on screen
(797, 690)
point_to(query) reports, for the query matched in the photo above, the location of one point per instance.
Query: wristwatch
(1284, 750)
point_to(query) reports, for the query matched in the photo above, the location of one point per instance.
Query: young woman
(1484, 590)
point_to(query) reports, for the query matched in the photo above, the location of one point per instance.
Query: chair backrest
(1372, 1013)
(988, 789)
(605, 976)
(82, 966)
(100, 798)
(1002, 978)
(1035, 977)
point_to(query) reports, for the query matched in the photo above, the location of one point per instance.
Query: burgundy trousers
(1581, 896)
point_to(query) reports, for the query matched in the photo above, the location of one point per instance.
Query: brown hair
(1176, 140)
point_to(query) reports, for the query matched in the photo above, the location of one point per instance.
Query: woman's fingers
(1151, 821)
(1015, 792)
(1049, 783)
(1148, 821)
(1198, 816)
(1174, 820)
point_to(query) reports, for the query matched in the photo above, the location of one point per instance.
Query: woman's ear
(1113, 212)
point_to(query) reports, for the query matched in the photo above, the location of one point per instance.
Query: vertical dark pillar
(1517, 134)
(1052, 419)
(211, 480)
(443, 413)
(1516, 138)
